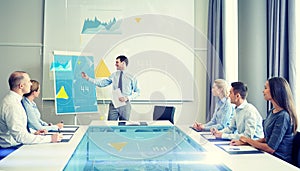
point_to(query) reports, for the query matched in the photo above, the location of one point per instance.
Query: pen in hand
(60, 125)
(59, 128)
(213, 130)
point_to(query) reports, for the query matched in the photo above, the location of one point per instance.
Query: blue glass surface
(139, 148)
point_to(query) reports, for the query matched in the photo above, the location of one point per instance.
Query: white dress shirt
(13, 123)
(130, 87)
(246, 121)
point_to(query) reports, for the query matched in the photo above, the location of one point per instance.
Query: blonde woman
(35, 122)
(223, 110)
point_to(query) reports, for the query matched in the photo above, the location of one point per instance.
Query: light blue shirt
(246, 121)
(222, 115)
(34, 117)
(129, 84)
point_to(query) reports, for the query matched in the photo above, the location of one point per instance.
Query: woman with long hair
(280, 124)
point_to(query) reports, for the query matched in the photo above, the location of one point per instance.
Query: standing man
(127, 84)
(13, 119)
(246, 121)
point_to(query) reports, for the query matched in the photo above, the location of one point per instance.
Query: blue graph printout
(73, 94)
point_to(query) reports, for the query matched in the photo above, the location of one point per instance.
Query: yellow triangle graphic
(118, 146)
(62, 94)
(137, 20)
(102, 70)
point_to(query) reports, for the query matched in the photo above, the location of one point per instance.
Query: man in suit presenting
(125, 82)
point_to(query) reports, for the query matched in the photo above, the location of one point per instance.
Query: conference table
(145, 148)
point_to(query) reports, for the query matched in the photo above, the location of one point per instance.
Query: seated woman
(34, 120)
(280, 124)
(223, 109)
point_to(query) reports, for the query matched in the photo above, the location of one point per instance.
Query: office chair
(6, 151)
(164, 113)
(296, 150)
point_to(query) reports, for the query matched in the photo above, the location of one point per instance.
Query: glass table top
(140, 148)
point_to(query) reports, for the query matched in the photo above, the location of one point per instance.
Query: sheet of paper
(208, 136)
(220, 142)
(231, 148)
(200, 131)
(67, 136)
(204, 132)
(212, 138)
(115, 98)
(68, 129)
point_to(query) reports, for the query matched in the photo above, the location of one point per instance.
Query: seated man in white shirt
(13, 119)
(246, 121)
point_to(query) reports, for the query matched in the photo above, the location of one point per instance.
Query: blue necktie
(120, 81)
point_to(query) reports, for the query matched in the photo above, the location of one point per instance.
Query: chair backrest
(164, 113)
(296, 150)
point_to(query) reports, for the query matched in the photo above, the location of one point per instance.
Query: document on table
(208, 136)
(66, 137)
(116, 94)
(212, 138)
(67, 128)
(198, 130)
(244, 149)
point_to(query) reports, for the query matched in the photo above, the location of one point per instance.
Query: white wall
(21, 44)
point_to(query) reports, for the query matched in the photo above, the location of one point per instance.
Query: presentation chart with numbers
(73, 94)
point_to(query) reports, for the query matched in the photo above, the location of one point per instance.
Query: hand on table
(216, 133)
(237, 142)
(198, 126)
(41, 132)
(56, 137)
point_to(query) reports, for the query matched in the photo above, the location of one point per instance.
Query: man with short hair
(246, 121)
(13, 119)
(120, 79)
